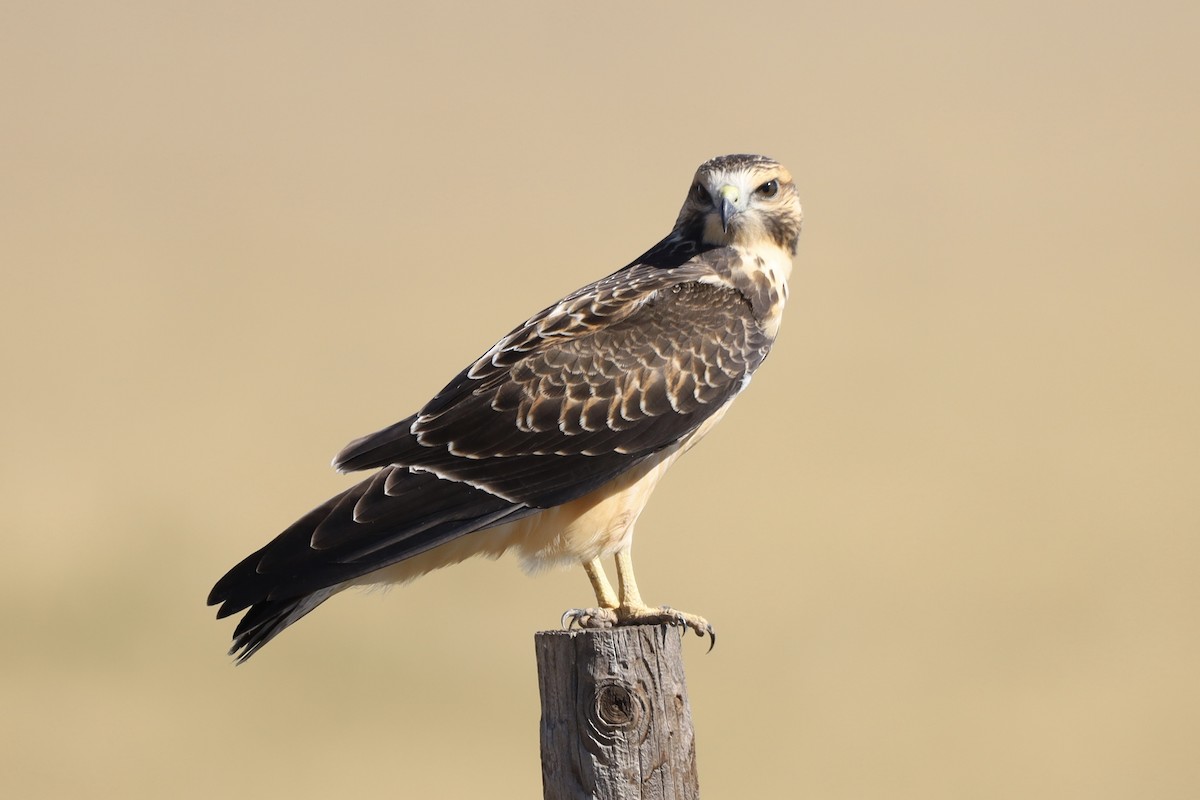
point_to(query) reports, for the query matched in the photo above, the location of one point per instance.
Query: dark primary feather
(393, 515)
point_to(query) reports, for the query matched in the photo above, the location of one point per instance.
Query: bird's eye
(701, 194)
(768, 189)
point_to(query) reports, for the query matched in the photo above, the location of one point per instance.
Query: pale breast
(761, 275)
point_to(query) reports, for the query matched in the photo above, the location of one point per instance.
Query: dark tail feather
(266, 620)
(393, 515)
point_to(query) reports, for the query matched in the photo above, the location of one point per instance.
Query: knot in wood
(615, 705)
(618, 712)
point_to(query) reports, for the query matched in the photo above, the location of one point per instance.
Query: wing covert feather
(583, 390)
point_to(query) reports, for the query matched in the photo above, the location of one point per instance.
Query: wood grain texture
(616, 724)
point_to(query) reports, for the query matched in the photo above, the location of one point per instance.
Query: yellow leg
(605, 596)
(630, 597)
(631, 610)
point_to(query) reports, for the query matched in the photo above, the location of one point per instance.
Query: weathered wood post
(616, 724)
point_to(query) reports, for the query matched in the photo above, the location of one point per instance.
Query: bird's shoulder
(619, 332)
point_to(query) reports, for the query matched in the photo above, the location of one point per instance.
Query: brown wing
(582, 391)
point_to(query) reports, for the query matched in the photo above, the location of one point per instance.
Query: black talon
(712, 641)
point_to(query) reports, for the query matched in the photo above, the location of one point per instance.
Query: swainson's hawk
(550, 443)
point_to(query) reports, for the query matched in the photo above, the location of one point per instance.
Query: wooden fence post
(616, 724)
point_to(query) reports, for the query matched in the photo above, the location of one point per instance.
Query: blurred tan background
(950, 538)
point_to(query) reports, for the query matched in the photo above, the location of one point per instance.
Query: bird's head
(744, 200)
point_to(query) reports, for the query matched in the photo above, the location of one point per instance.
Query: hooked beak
(729, 198)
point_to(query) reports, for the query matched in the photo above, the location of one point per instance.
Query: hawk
(550, 443)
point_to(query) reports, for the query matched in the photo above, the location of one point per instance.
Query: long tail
(392, 516)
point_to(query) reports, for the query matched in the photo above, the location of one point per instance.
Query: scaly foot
(638, 615)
